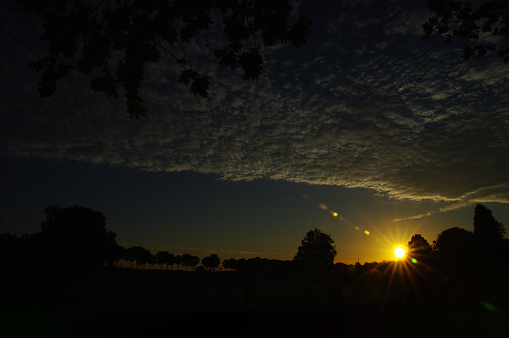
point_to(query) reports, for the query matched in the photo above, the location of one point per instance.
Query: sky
(367, 132)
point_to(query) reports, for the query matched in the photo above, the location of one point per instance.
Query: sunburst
(403, 270)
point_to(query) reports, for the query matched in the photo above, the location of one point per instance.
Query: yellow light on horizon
(399, 252)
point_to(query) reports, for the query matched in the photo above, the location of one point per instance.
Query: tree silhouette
(139, 254)
(178, 261)
(193, 261)
(211, 262)
(130, 254)
(116, 253)
(489, 235)
(187, 260)
(164, 257)
(89, 36)
(316, 249)
(418, 246)
(230, 263)
(483, 28)
(145, 257)
(151, 259)
(170, 261)
(452, 240)
(454, 248)
(77, 236)
(486, 227)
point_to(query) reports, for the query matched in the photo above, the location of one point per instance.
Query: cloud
(426, 214)
(403, 116)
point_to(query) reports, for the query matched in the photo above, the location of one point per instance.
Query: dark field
(160, 303)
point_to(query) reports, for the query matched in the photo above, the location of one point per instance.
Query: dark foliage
(164, 257)
(190, 260)
(77, 237)
(486, 227)
(211, 262)
(483, 28)
(418, 247)
(139, 254)
(489, 235)
(88, 37)
(453, 243)
(230, 263)
(316, 250)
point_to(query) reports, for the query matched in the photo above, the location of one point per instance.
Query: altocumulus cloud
(366, 103)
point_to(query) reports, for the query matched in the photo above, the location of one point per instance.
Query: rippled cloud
(367, 103)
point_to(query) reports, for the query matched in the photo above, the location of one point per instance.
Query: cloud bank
(366, 103)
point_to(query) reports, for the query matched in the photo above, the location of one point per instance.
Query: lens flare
(488, 306)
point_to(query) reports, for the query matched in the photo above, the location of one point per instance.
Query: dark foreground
(153, 303)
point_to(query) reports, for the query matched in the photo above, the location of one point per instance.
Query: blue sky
(395, 133)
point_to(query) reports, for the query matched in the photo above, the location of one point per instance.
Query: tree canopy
(454, 244)
(211, 262)
(486, 227)
(115, 40)
(78, 236)
(419, 246)
(484, 28)
(317, 249)
(164, 257)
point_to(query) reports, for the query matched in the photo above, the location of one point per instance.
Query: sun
(399, 252)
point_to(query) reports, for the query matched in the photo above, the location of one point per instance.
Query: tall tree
(486, 227)
(90, 36)
(489, 235)
(77, 236)
(419, 246)
(316, 249)
(483, 27)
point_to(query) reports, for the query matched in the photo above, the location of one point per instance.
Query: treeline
(76, 238)
(456, 251)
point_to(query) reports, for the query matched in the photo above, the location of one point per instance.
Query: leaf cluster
(114, 40)
(459, 19)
